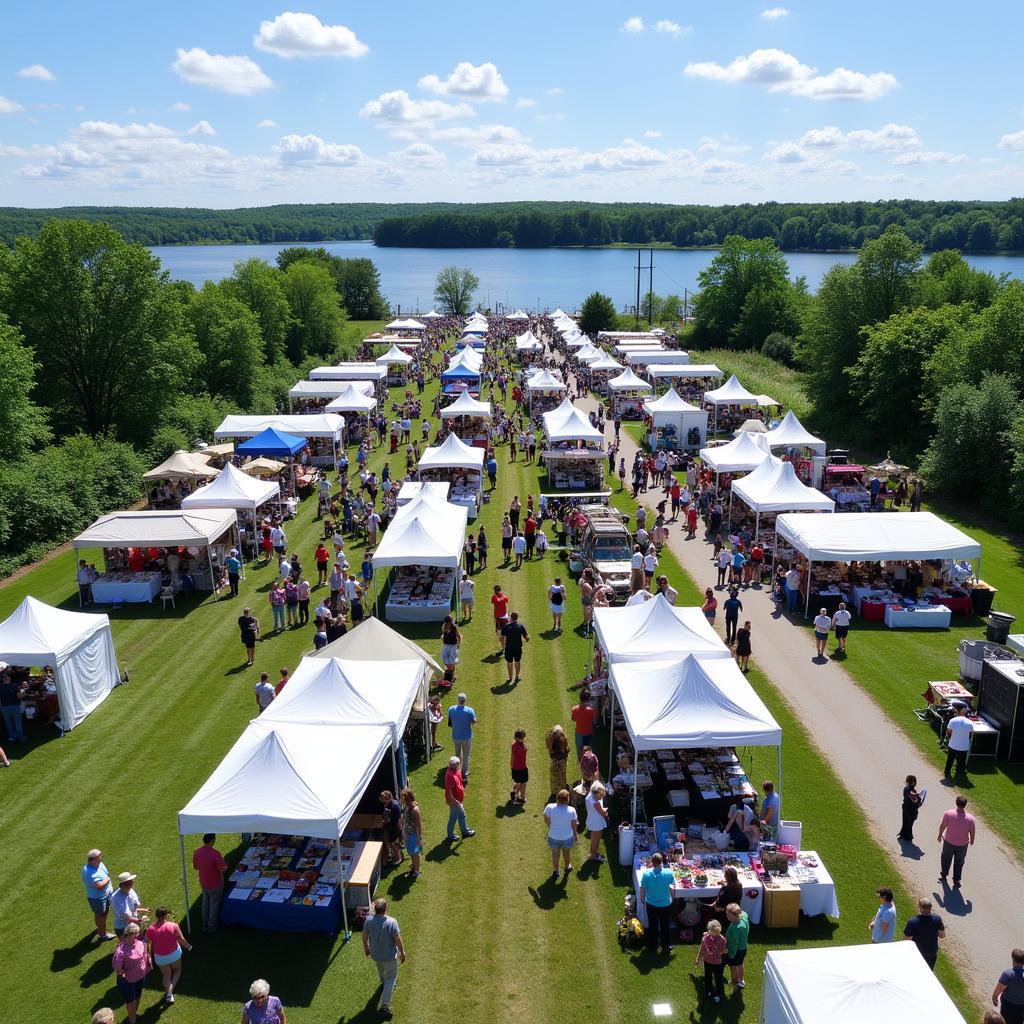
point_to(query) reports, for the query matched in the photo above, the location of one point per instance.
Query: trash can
(626, 845)
(999, 624)
(982, 596)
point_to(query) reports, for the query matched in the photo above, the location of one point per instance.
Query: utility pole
(650, 291)
(636, 313)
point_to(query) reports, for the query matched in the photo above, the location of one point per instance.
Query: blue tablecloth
(284, 917)
(142, 589)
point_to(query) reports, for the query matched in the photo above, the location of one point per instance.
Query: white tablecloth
(933, 616)
(859, 593)
(140, 588)
(818, 897)
(753, 891)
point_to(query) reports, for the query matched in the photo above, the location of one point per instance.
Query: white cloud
(294, 34)
(782, 72)
(420, 155)
(550, 117)
(399, 108)
(774, 13)
(890, 138)
(267, 123)
(311, 149)
(112, 130)
(181, 108)
(724, 145)
(720, 167)
(478, 135)
(1014, 140)
(555, 90)
(522, 103)
(240, 76)
(938, 156)
(481, 83)
(671, 28)
(633, 25)
(652, 133)
(786, 153)
(201, 128)
(9, 106)
(829, 137)
(37, 71)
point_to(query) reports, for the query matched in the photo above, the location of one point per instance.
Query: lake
(528, 278)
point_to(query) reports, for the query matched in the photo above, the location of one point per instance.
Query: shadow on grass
(729, 1010)
(551, 634)
(399, 886)
(509, 810)
(952, 901)
(491, 659)
(506, 687)
(548, 893)
(443, 851)
(368, 1013)
(72, 956)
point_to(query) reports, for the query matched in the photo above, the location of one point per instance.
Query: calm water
(529, 278)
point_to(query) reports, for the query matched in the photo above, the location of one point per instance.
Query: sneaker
(554, 876)
(169, 998)
(741, 984)
(568, 868)
(469, 833)
(385, 1013)
(108, 937)
(512, 796)
(600, 858)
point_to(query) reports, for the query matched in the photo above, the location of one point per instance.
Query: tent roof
(424, 532)
(750, 427)
(412, 489)
(460, 371)
(466, 405)
(374, 640)
(774, 487)
(691, 703)
(527, 342)
(182, 465)
(544, 380)
(875, 537)
(296, 779)
(656, 629)
(670, 402)
(309, 425)
(628, 381)
(349, 371)
(589, 354)
(732, 392)
(790, 433)
(394, 355)
(327, 691)
(766, 401)
(684, 370)
(351, 399)
(576, 339)
(233, 489)
(853, 984)
(518, 315)
(262, 465)
(405, 325)
(742, 453)
(36, 630)
(467, 357)
(452, 453)
(271, 442)
(605, 362)
(570, 424)
(328, 388)
(196, 528)
(432, 315)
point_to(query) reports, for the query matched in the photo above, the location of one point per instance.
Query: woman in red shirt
(165, 945)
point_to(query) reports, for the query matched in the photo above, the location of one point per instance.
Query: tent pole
(635, 760)
(730, 506)
(611, 735)
(341, 889)
(757, 525)
(209, 562)
(778, 770)
(184, 880)
(394, 764)
(77, 587)
(807, 603)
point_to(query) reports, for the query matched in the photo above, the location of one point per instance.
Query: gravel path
(873, 755)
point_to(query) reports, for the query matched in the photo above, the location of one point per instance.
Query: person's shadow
(72, 956)
(506, 687)
(549, 893)
(910, 849)
(952, 901)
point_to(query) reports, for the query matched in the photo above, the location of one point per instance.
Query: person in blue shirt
(492, 471)
(367, 567)
(771, 808)
(738, 561)
(461, 719)
(732, 607)
(98, 891)
(883, 925)
(233, 565)
(656, 895)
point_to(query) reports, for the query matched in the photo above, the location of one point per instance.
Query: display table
(958, 602)
(469, 497)
(874, 595)
(852, 496)
(928, 616)
(363, 873)
(984, 739)
(420, 594)
(126, 587)
(938, 691)
(817, 890)
(872, 609)
(829, 600)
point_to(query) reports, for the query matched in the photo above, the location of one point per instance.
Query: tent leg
(778, 769)
(394, 769)
(184, 881)
(341, 888)
(757, 525)
(635, 760)
(213, 580)
(730, 508)
(807, 603)
(611, 736)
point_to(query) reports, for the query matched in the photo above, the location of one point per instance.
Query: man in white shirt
(279, 540)
(668, 592)
(723, 563)
(519, 548)
(792, 589)
(959, 730)
(841, 625)
(286, 567)
(264, 692)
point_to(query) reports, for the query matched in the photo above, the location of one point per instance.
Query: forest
(974, 227)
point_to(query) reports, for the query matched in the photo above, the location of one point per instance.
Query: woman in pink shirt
(713, 947)
(131, 965)
(165, 945)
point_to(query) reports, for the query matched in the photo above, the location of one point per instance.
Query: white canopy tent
(468, 357)
(853, 984)
(570, 424)
(290, 778)
(656, 630)
(774, 487)
(545, 380)
(589, 354)
(350, 371)
(666, 371)
(604, 362)
(874, 537)
(790, 433)
(655, 356)
(452, 453)
(432, 315)
(406, 325)
(234, 489)
(413, 488)
(629, 381)
(394, 355)
(322, 425)
(78, 646)
(352, 400)
(690, 703)
(329, 388)
(732, 392)
(766, 401)
(518, 315)
(466, 405)
(575, 339)
(528, 343)
(672, 411)
(742, 454)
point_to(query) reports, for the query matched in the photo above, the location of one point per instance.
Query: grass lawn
(483, 908)
(760, 375)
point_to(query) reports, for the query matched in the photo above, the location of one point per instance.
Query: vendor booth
(588, 354)
(472, 419)
(729, 402)
(307, 396)
(410, 326)
(675, 424)
(643, 357)
(412, 489)
(297, 787)
(357, 408)
(458, 378)
(142, 549)
(544, 392)
(176, 477)
(397, 363)
(573, 455)
(601, 370)
(655, 630)
(424, 545)
(528, 346)
(853, 984)
(690, 380)
(773, 487)
(322, 430)
(791, 436)
(77, 646)
(891, 537)
(627, 392)
(355, 371)
(742, 454)
(460, 465)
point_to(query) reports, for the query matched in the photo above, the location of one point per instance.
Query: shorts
(99, 904)
(556, 609)
(131, 991)
(841, 632)
(450, 654)
(467, 600)
(514, 655)
(499, 624)
(561, 844)
(819, 635)
(393, 835)
(737, 960)
(412, 843)
(280, 549)
(163, 959)
(506, 543)
(520, 776)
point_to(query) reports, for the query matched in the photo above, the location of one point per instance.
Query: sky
(228, 104)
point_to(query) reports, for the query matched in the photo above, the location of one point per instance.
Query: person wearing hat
(454, 794)
(233, 564)
(126, 903)
(98, 891)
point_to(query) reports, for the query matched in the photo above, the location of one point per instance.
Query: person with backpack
(556, 603)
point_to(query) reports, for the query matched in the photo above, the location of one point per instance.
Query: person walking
(265, 693)
(249, 627)
(262, 1007)
(710, 606)
(656, 895)
(841, 626)
(925, 929)
(233, 564)
(563, 831)
(722, 562)
(382, 943)
(454, 794)
(732, 606)
(518, 549)
(412, 827)
(278, 600)
(558, 752)
(499, 605)
(451, 640)
(435, 716)
(883, 925)
(959, 732)
(131, 965)
(736, 943)
(743, 647)
(515, 635)
(1008, 995)
(211, 866)
(912, 801)
(518, 766)
(99, 891)
(461, 720)
(556, 603)
(166, 943)
(822, 626)
(583, 716)
(956, 833)
(597, 819)
(467, 597)
(712, 951)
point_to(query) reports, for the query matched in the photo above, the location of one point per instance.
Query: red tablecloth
(872, 611)
(957, 605)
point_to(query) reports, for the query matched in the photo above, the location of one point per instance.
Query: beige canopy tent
(263, 467)
(181, 465)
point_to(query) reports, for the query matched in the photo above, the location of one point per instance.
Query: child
(520, 773)
(712, 948)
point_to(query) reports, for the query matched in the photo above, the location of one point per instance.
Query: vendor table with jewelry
(126, 587)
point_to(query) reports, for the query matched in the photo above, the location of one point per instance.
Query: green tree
(259, 286)
(888, 268)
(795, 234)
(318, 319)
(948, 278)
(23, 424)
(597, 314)
(357, 280)
(228, 334)
(454, 288)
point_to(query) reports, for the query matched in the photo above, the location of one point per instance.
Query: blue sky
(229, 104)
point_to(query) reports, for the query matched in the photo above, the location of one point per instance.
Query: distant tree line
(109, 366)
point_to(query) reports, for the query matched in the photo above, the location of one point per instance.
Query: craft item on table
(276, 896)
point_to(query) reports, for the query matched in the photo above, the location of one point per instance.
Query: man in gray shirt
(382, 942)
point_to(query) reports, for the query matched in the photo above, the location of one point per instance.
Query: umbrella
(887, 467)
(261, 465)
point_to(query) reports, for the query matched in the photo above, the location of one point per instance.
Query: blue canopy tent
(274, 444)
(460, 378)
